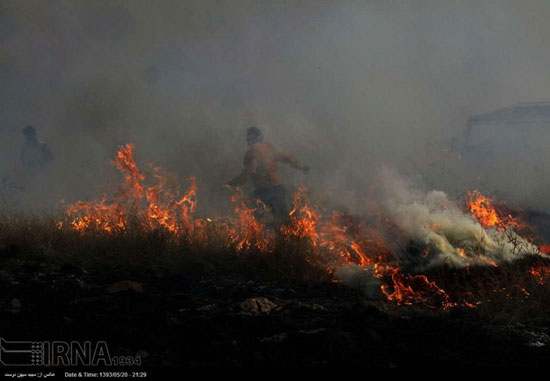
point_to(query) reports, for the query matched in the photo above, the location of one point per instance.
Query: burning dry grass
(511, 292)
(505, 294)
(418, 250)
(156, 251)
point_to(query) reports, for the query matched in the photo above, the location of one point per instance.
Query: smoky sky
(344, 85)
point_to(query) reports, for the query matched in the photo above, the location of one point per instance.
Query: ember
(541, 273)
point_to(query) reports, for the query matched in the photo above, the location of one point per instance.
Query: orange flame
(246, 231)
(126, 164)
(486, 214)
(412, 289)
(303, 218)
(541, 273)
(336, 241)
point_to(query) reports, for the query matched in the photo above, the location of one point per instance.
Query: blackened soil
(178, 322)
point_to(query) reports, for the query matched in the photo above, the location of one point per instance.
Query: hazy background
(344, 85)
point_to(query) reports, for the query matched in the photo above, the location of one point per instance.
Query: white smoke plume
(449, 236)
(432, 231)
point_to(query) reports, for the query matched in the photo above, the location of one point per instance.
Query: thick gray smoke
(451, 236)
(344, 85)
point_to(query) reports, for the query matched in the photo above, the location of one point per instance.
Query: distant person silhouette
(35, 156)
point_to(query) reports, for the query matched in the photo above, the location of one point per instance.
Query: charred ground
(178, 305)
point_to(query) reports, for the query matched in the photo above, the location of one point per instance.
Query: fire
(412, 289)
(541, 273)
(159, 211)
(97, 216)
(482, 210)
(304, 220)
(158, 203)
(246, 231)
(486, 214)
(545, 248)
(126, 164)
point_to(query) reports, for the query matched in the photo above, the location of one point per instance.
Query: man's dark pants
(275, 199)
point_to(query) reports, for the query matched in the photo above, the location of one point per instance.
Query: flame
(541, 273)
(545, 248)
(97, 216)
(126, 164)
(304, 220)
(412, 289)
(337, 241)
(162, 206)
(160, 210)
(154, 206)
(246, 231)
(483, 211)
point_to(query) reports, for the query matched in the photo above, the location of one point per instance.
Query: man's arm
(291, 160)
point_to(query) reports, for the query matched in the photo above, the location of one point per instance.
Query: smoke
(432, 231)
(447, 235)
(361, 278)
(343, 85)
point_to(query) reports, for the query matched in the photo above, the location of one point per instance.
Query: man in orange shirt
(260, 167)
